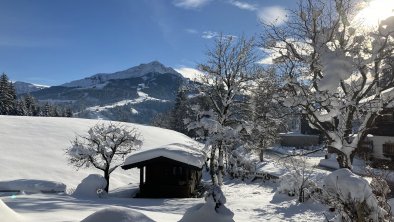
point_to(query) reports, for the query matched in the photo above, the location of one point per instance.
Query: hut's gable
(178, 152)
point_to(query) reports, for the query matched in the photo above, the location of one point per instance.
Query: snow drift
(7, 214)
(117, 214)
(212, 210)
(91, 187)
(33, 186)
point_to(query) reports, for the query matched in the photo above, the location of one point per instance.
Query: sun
(374, 11)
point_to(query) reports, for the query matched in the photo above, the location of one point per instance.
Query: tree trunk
(352, 155)
(220, 172)
(106, 177)
(343, 160)
(261, 156)
(212, 166)
(301, 198)
(360, 209)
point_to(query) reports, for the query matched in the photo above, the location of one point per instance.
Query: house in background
(380, 141)
(171, 171)
(299, 133)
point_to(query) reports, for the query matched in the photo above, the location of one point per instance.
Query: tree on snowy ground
(20, 108)
(333, 69)
(227, 73)
(7, 95)
(265, 115)
(103, 148)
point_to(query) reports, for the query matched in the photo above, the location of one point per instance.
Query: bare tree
(298, 181)
(227, 73)
(104, 148)
(335, 71)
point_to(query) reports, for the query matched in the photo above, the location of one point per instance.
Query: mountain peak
(134, 72)
(155, 63)
(152, 67)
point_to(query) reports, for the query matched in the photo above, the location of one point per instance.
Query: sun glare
(375, 11)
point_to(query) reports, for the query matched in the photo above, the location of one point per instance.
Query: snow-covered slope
(7, 214)
(134, 72)
(34, 148)
(24, 87)
(99, 111)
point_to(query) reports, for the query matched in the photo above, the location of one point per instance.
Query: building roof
(179, 152)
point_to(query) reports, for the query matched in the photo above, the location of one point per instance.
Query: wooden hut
(171, 171)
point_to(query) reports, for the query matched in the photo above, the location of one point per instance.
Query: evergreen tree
(68, 113)
(26, 106)
(7, 96)
(31, 106)
(20, 108)
(47, 110)
(180, 112)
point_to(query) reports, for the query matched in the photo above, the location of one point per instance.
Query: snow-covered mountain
(24, 87)
(101, 79)
(133, 95)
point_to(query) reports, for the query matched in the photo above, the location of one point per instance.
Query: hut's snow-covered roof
(178, 152)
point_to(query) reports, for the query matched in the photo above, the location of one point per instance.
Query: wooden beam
(141, 176)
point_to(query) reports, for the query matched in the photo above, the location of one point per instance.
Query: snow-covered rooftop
(176, 151)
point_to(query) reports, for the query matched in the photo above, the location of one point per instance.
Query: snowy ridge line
(134, 72)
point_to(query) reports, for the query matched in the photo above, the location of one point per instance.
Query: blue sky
(56, 41)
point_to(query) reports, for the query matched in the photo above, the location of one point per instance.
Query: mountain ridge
(133, 72)
(134, 95)
(25, 87)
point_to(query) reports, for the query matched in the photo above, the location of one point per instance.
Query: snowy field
(33, 157)
(249, 202)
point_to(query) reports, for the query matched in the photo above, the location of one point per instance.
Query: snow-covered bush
(297, 181)
(353, 198)
(91, 187)
(7, 214)
(117, 214)
(380, 186)
(242, 162)
(294, 184)
(212, 210)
